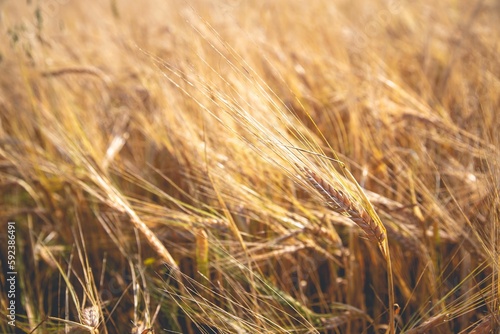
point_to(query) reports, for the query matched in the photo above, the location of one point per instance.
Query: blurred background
(152, 154)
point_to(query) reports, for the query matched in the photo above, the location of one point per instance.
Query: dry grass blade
(340, 202)
(486, 325)
(179, 145)
(117, 201)
(430, 324)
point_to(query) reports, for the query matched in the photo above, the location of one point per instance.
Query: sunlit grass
(158, 158)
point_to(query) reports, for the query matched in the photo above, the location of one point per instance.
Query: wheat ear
(341, 203)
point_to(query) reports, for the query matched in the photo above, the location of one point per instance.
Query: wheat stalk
(340, 202)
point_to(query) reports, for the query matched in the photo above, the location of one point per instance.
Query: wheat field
(250, 166)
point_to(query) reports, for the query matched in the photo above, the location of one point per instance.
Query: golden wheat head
(340, 202)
